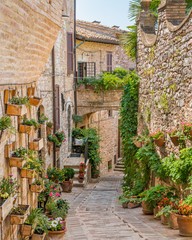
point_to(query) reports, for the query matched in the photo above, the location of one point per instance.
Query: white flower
(58, 219)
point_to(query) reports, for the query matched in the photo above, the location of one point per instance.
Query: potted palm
(17, 106)
(8, 192)
(29, 225)
(158, 137)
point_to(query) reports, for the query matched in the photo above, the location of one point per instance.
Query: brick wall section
(165, 70)
(28, 32)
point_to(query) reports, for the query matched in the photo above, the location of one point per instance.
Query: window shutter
(109, 62)
(69, 53)
(57, 107)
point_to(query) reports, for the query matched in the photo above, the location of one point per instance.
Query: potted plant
(36, 145)
(49, 128)
(8, 191)
(42, 118)
(124, 200)
(55, 227)
(164, 210)
(41, 228)
(158, 137)
(81, 177)
(30, 223)
(67, 175)
(187, 129)
(54, 174)
(61, 138)
(6, 123)
(19, 214)
(184, 217)
(17, 106)
(37, 185)
(18, 157)
(35, 101)
(134, 202)
(27, 126)
(137, 140)
(174, 137)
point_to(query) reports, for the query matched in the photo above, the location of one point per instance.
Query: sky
(108, 12)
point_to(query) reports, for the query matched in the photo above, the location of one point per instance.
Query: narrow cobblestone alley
(95, 214)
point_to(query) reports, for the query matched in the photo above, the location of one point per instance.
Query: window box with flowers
(158, 137)
(36, 145)
(28, 126)
(184, 217)
(174, 138)
(19, 214)
(17, 106)
(37, 185)
(18, 157)
(8, 192)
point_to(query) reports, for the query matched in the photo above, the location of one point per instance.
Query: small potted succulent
(158, 137)
(8, 192)
(174, 137)
(17, 106)
(19, 214)
(18, 157)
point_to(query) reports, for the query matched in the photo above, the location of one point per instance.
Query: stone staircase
(119, 166)
(74, 162)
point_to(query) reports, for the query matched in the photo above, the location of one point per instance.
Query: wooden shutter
(57, 107)
(69, 53)
(109, 62)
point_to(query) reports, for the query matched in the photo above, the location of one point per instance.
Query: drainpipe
(53, 88)
(74, 52)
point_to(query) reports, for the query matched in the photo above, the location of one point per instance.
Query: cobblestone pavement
(95, 214)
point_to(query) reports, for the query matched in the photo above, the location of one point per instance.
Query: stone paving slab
(95, 214)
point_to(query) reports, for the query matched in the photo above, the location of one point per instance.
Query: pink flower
(11, 181)
(11, 175)
(64, 140)
(51, 194)
(55, 189)
(46, 176)
(57, 194)
(51, 186)
(53, 183)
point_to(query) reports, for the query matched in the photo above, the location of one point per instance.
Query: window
(57, 107)
(109, 62)
(86, 69)
(69, 53)
(110, 113)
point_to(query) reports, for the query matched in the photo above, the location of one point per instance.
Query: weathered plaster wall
(165, 70)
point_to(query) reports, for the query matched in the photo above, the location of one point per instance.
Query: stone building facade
(165, 69)
(100, 51)
(29, 30)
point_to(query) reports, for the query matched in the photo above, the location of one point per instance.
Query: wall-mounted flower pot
(36, 188)
(159, 142)
(27, 173)
(50, 147)
(30, 91)
(175, 141)
(185, 225)
(146, 210)
(35, 101)
(16, 110)
(138, 144)
(36, 145)
(25, 128)
(16, 162)
(6, 207)
(173, 220)
(49, 130)
(38, 236)
(27, 230)
(20, 219)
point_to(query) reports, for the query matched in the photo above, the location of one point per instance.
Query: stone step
(119, 169)
(76, 183)
(120, 166)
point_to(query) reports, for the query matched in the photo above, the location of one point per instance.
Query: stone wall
(28, 32)
(165, 70)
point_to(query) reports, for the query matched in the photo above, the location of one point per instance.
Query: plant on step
(8, 186)
(42, 224)
(56, 224)
(81, 176)
(6, 123)
(42, 118)
(17, 100)
(31, 122)
(33, 216)
(82, 167)
(154, 195)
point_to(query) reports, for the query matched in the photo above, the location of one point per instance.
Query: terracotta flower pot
(146, 210)
(133, 205)
(159, 142)
(125, 205)
(164, 220)
(175, 141)
(38, 236)
(173, 220)
(185, 225)
(138, 144)
(66, 186)
(81, 180)
(155, 211)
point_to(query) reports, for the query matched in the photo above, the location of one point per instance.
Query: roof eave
(80, 37)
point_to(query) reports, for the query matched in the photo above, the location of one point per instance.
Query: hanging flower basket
(27, 230)
(18, 219)
(185, 225)
(16, 110)
(16, 162)
(25, 128)
(175, 141)
(6, 207)
(35, 101)
(36, 145)
(38, 236)
(27, 173)
(36, 188)
(159, 142)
